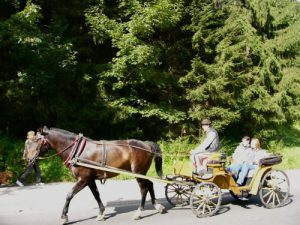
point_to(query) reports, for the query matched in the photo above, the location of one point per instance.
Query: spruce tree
(239, 73)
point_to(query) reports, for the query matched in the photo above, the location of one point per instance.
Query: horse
(131, 155)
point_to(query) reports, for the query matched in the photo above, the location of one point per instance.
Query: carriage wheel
(205, 199)
(274, 189)
(176, 194)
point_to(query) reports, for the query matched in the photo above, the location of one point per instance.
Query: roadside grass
(289, 146)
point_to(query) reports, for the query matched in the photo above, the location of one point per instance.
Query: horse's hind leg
(144, 190)
(145, 186)
(92, 185)
(159, 207)
(78, 187)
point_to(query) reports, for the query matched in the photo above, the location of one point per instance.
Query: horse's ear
(44, 130)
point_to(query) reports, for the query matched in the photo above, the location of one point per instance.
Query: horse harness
(79, 146)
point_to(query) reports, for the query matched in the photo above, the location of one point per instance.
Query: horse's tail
(157, 157)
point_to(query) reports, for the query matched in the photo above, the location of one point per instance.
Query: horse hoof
(64, 220)
(137, 215)
(160, 208)
(100, 218)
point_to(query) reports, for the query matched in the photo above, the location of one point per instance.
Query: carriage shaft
(94, 165)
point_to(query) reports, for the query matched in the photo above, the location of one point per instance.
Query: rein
(58, 153)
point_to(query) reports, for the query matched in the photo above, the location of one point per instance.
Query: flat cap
(205, 122)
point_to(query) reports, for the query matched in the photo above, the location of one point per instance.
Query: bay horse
(131, 155)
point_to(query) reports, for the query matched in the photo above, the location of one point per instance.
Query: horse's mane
(65, 132)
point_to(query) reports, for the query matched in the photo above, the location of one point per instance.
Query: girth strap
(104, 155)
(103, 161)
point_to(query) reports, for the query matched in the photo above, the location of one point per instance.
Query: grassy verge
(289, 146)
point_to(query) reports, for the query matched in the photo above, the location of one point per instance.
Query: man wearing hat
(210, 144)
(30, 156)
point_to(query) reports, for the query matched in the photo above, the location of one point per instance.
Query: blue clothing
(240, 171)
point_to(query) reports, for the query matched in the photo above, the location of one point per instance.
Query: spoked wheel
(205, 199)
(274, 189)
(178, 195)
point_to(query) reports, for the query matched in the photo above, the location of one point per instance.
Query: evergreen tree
(237, 75)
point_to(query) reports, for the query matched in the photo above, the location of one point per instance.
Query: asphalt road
(42, 205)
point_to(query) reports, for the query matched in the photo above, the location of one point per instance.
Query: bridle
(45, 142)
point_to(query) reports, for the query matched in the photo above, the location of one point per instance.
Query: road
(42, 205)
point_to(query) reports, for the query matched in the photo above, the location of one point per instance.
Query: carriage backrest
(270, 160)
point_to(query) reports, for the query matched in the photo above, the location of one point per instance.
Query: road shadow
(132, 205)
(115, 208)
(82, 220)
(248, 203)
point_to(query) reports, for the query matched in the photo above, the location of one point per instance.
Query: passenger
(242, 155)
(210, 144)
(257, 152)
(256, 155)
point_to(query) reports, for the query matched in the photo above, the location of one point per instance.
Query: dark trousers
(28, 171)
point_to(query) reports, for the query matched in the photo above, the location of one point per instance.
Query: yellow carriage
(205, 195)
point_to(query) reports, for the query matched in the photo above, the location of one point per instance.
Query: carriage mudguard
(257, 179)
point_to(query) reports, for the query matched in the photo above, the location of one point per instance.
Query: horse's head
(44, 130)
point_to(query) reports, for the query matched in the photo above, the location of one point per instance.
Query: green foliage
(53, 170)
(138, 84)
(236, 74)
(145, 69)
(287, 144)
(11, 152)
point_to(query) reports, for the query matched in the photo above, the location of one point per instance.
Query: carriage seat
(267, 161)
(217, 158)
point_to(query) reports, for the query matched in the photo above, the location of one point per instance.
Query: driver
(210, 144)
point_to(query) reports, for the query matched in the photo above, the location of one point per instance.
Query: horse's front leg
(80, 184)
(94, 190)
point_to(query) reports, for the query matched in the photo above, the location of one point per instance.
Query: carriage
(89, 160)
(205, 195)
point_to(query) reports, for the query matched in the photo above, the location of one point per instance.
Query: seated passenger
(210, 144)
(242, 155)
(257, 154)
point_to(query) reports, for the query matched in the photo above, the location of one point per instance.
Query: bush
(11, 152)
(53, 169)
